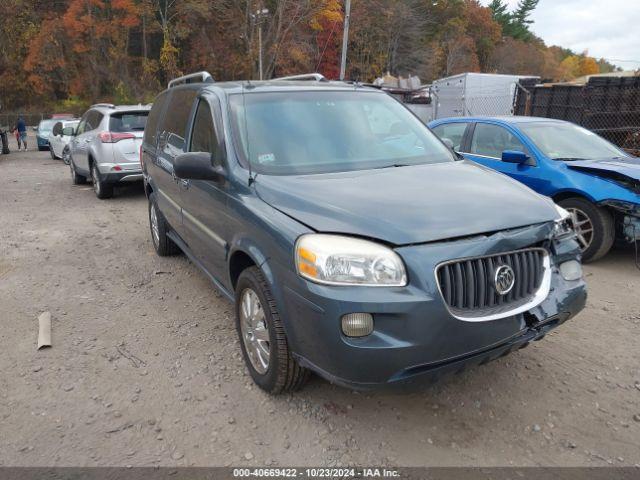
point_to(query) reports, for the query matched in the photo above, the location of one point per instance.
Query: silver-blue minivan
(354, 243)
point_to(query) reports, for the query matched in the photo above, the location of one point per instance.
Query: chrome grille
(468, 285)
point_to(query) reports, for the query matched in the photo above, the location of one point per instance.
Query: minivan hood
(611, 168)
(406, 205)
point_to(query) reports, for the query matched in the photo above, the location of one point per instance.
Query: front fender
(594, 188)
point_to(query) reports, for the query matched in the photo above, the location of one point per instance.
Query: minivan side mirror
(68, 131)
(197, 166)
(514, 156)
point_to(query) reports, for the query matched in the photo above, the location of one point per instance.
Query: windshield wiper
(393, 165)
(568, 159)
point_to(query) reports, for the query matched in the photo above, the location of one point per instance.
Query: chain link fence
(608, 106)
(9, 120)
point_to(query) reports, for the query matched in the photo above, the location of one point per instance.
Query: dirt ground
(146, 370)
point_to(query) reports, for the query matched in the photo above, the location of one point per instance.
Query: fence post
(527, 102)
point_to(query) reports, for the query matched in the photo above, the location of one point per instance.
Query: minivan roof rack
(198, 77)
(318, 77)
(106, 105)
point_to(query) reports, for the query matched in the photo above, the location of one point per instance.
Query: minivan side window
(151, 128)
(174, 126)
(203, 136)
(452, 131)
(491, 140)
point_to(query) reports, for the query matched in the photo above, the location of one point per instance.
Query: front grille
(468, 285)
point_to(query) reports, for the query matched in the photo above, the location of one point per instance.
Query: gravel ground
(145, 367)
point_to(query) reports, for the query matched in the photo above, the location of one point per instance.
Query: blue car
(43, 131)
(595, 181)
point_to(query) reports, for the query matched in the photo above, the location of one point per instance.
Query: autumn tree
(484, 31)
(327, 26)
(60, 53)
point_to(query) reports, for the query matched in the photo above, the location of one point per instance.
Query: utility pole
(260, 54)
(259, 18)
(345, 38)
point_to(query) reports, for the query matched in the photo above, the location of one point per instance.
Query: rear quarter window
(453, 132)
(174, 124)
(151, 127)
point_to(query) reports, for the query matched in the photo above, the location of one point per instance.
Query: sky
(606, 28)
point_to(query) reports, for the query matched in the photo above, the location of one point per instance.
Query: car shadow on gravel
(127, 191)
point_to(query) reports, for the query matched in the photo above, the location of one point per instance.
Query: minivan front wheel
(159, 227)
(262, 338)
(594, 227)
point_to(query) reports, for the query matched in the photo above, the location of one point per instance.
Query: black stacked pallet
(613, 108)
(609, 106)
(541, 101)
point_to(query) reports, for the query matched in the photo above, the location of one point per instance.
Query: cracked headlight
(563, 227)
(338, 260)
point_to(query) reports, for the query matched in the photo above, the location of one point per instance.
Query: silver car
(105, 146)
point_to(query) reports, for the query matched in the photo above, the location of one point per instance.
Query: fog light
(571, 270)
(357, 324)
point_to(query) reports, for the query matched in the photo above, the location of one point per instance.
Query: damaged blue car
(597, 182)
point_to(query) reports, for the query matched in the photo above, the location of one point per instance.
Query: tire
(282, 373)
(603, 227)
(76, 178)
(162, 244)
(100, 187)
(66, 155)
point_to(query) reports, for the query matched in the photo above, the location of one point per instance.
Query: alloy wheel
(155, 232)
(255, 334)
(65, 156)
(94, 179)
(583, 227)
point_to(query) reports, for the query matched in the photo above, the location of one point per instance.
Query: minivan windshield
(330, 131)
(565, 141)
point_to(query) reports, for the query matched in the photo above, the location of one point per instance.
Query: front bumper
(42, 142)
(416, 338)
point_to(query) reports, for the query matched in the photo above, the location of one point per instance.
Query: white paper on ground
(44, 330)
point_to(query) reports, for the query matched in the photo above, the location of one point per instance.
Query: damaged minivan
(595, 181)
(353, 242)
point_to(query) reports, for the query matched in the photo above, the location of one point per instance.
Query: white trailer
(472, 94)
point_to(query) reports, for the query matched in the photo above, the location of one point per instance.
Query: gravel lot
(145, 367)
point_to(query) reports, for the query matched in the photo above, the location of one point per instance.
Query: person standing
(21, 128)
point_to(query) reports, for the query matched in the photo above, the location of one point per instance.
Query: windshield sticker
(266, 158)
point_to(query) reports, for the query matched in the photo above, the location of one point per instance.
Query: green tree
(515, 24)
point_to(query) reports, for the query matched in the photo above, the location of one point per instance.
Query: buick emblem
(504, 279)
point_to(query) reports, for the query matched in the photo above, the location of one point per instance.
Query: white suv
(105, 147)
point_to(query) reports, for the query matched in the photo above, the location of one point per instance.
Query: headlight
(563, 227)
(338, 260)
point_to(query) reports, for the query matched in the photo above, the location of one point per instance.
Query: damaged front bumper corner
(629, 218)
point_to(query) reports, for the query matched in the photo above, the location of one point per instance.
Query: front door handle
(87, 140)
